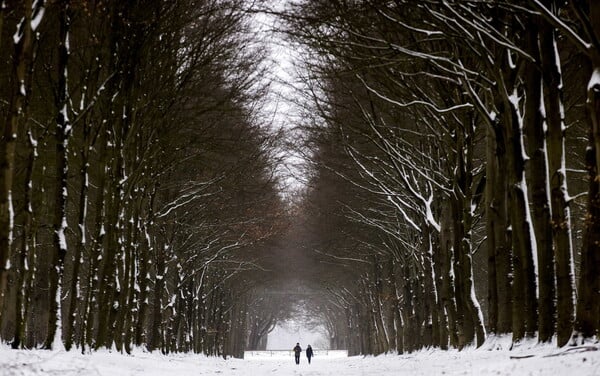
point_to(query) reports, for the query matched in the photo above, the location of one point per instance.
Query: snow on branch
(414, 102)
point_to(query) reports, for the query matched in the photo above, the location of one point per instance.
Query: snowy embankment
(492, 359)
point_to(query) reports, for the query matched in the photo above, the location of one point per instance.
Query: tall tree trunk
(561, 216)
(109, 288)
(388, 297)
(499, 254)
(76, 258)
(524, 317)
(499, 211)
(588, 299)
(437, 265)
(466, 301)
(538, 176)
(431, 289)
(156, 323)
(588, 293)
(503, 253)
(25, 263)
(63, 133)
(145, 263)
(492, 181)
(448, 296)
(89, 309)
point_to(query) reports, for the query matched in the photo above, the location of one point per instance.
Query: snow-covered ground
(528, 360)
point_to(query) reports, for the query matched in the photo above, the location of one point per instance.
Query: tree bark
(63, 133)
(524, 315)
(448, 296)
(561, 216)
(588, 299)
(26, 261)
(538, 176)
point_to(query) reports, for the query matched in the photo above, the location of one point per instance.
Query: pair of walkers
(298, 351)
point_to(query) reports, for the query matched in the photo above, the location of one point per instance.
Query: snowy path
(544, 360)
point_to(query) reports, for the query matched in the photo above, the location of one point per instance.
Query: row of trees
(446, 132)
(138, 187)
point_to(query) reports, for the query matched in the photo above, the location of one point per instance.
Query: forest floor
(493, 358)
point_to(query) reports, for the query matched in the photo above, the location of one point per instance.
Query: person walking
(297, 352)
(309, 353)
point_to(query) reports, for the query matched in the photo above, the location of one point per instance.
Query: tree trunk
(561, 216)
(448, 297)
(442, 318)
(76, 259)
(155, 340)
(492, 181)
(538, 176)
(499, 213)
(524, 305)
(25, 261)
(63, 133)
(588, 299)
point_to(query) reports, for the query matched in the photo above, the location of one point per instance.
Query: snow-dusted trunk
(440, 317)
(533, 124)
(75, 297)
(26, 260)
(389, 293)
(123, 260)
(90, 307)
(156, 319)
(22, 42)
(561, 216)
(108, 287)
(524, 285)
(62, 135)
(145, 264)
(469, 317)
(133, 248)
(430, 330)
(447, 274)
(199, 309)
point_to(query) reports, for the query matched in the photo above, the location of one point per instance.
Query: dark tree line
(138, 191)
(454, 160)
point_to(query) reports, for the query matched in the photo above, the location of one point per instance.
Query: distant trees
(445, 127)
(137, 183)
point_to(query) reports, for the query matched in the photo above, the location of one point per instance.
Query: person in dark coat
(309, 353)
(297, 352)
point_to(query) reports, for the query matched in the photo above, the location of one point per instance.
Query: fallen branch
(577, 349)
